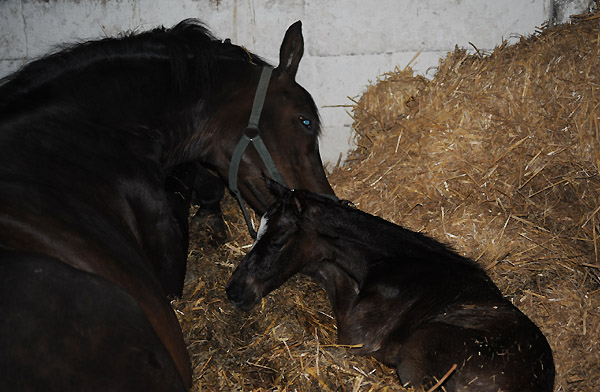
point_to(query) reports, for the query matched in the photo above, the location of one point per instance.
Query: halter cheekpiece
(251, 134)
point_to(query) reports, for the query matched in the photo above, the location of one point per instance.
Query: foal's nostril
(232, 291)
(240, 294)
(235, 293)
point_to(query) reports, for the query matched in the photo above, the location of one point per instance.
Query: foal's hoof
(212, 225)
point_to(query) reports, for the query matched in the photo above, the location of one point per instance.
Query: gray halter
(251, 134)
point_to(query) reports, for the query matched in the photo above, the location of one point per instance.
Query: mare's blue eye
(305, 121)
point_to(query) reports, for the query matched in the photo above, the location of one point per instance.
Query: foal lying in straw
(408, 300)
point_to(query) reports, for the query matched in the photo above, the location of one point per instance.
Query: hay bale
(497, 156)
(384, 104)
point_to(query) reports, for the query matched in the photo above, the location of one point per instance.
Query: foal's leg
(497, 359)
(414, 365)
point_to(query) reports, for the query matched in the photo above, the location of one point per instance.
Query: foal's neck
(358, 241)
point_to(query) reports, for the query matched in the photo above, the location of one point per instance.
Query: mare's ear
(291, 51)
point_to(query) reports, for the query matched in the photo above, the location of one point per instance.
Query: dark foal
(410, 301)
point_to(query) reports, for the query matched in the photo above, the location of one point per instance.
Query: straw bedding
(498, 156)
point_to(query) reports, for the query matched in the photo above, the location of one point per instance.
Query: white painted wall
(347, 42)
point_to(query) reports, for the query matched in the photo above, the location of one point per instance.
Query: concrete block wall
(348, 43)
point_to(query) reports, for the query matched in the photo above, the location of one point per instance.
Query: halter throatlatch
(252, 135)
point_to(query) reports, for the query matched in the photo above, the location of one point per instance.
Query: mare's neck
(216, 120)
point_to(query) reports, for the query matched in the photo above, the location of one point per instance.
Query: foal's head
(288, 240)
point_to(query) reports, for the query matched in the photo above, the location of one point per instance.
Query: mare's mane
(188, 48)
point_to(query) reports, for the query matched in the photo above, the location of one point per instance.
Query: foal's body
(424, 321)
(408, 300)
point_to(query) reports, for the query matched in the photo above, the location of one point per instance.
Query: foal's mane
(342, 219)
(189, 48)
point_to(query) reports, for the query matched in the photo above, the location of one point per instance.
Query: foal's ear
(275, 188)
(279, 191)
(292, 49)
(297, 203)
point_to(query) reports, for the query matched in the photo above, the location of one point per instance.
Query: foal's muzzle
(242, 290)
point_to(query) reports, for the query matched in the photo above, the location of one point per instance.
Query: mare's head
(289, 126)
(288, 242)
(180, 94)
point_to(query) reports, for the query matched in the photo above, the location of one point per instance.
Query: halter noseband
(251, 134)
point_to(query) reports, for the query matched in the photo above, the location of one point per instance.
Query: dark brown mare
(410, 301)
(90, 242)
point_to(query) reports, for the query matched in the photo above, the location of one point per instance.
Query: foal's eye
(305, 121)
(276, 245)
